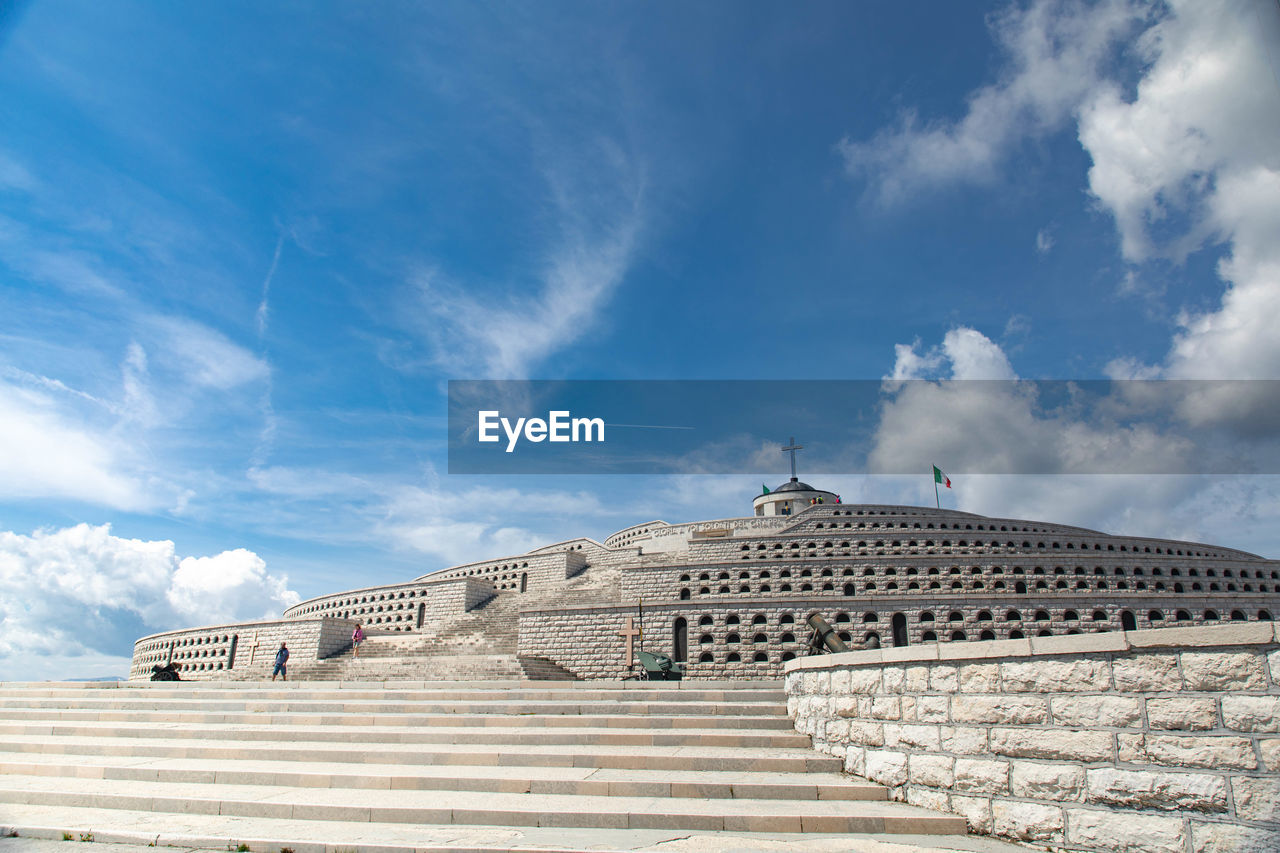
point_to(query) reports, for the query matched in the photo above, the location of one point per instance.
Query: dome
(795, 486)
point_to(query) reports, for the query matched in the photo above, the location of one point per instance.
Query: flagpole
(937, 502)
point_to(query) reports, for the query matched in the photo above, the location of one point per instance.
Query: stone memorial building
(730, 597)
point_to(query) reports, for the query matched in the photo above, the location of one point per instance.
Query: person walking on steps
(282, 658)
(357, 637)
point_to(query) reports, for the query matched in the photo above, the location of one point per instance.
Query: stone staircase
(477, 645)
(416, 766)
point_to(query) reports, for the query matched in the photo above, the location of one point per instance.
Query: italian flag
(939, 477)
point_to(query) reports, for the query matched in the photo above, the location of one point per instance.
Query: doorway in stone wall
(1128, 622)
(899, 629)
(680, 640)
(422, 613)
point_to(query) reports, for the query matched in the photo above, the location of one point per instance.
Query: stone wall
(241, 652)
(724, 639)
(1164, 740)
(527, 572)
(441, 603)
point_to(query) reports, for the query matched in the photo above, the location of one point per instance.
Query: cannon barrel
(825, 635)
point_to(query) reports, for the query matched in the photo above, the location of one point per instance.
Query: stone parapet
(1162, 740)
(244, 651)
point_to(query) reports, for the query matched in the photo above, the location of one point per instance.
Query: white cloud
(970, 354)
(83, 592)
(1004, 427)
(1044, 240)
(1219, 511)
(75, 272)
(1184, 160)
(1191, 161)
(463, 525)
(225, 587)
(49, 454)
(597, 195)
(1055, 52)
(139, 404)
(206, 357)
(262, 315)
(909, 364)
(505, 338)
(307, 482)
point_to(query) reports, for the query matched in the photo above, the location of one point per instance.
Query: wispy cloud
(205, 356)
(50, 452)
(1055, 50)
(262, 315)
(508, 333)
(14, 176)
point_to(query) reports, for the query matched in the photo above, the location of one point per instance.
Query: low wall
(242, 652)
(1164, 740)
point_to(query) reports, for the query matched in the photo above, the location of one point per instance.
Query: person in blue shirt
(282, 658)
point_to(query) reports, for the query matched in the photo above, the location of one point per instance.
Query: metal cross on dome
(792, 448)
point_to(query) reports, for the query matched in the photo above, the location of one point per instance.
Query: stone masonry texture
(1156, 741)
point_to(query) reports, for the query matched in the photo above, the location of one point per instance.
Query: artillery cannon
(823, 637)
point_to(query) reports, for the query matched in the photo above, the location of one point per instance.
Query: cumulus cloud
(968, 353)
(84, 592)
(1013, 453)
(1005, 426)
(1190, 161)
(1184, 160)
(1056, 53)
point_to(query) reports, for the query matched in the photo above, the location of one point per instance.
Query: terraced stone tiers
(280, 765)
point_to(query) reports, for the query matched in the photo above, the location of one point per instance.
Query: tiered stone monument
(729, 598)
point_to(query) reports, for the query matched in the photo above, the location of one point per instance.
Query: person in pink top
(357, 637)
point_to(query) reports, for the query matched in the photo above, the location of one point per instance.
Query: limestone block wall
(1163, 740)
(241, 652)
(533, 571)
(723, 639)
(443, 602)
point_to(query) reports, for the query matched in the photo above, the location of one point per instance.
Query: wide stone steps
(34, 720)
(543, 755)
(464, 807)
(499, 779)
(508, 757)
(253, 731)
(423, 666)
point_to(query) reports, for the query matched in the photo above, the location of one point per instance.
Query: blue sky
(243, 247)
